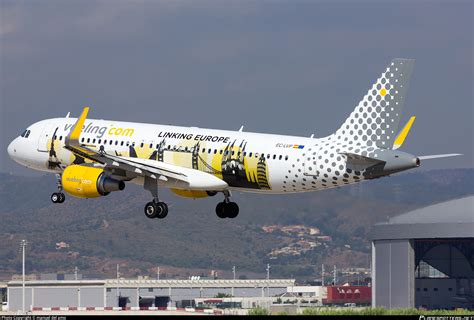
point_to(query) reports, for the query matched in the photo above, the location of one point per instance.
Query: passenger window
(82, 139)
(121, 143)
(209, 151)
(286, 158)
(128, 143)
(151, 145)
(268, 156)
(60, 137)
(141, 145)
(110, 142)
(99, 141)
(274, 156)
(88, 140)
(215, 151)
(245, 153)
(250, 154)
(220, 151)
(279, 158)
(256, 155)
(233, 152)
(116, 142)
(93, 140)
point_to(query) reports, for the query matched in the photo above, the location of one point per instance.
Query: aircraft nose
(12, 149)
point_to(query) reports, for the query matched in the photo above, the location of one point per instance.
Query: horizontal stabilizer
(357, 162)
(436, 156)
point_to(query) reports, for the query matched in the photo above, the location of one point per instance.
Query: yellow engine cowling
(193, 193)
(88, 182)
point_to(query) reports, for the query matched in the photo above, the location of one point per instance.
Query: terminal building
(134, 294)
(425, 258)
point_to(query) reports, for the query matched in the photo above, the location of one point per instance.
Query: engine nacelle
(88, 182)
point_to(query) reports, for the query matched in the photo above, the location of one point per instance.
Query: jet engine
(88, 182)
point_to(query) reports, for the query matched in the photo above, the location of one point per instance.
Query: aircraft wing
(172, 175)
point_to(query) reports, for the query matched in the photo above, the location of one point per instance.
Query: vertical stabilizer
(376, 118)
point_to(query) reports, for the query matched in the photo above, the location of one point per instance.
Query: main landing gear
(158, 209)
(154, 208)
(58, 197)
(226, 208)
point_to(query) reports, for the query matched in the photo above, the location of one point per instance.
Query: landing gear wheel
(55, 197)
(220, 210)
(62, 197)
(151, 209)
(227, 210)
(232, 210)
(156, 210)
(162, 210)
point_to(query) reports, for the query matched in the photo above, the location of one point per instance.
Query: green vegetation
(222, 295)
(330, 311)
(258, 312)
(108, 230)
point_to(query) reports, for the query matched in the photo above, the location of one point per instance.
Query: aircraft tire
(55, 197)
(151, 210)
(162, 211)
(62, 197)
(221, 210)
(232, 210)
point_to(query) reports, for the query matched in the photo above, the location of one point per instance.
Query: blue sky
(289, 67)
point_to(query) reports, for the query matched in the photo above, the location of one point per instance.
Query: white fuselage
(251, 162)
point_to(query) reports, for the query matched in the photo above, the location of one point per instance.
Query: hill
(295, 233)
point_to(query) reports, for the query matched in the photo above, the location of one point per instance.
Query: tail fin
(375, 120)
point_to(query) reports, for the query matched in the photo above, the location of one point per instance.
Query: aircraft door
(43, 139)
(310, 162)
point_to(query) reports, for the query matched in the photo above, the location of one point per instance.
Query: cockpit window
(25, 134)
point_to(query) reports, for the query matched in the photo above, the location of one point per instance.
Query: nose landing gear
(58, 197)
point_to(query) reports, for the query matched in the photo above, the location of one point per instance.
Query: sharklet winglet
(73, 136)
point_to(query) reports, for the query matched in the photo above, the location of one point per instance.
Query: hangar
(425, 258)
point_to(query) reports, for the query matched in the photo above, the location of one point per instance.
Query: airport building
(425, 258)
(136, 294)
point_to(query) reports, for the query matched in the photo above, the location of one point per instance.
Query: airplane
(92, 157)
